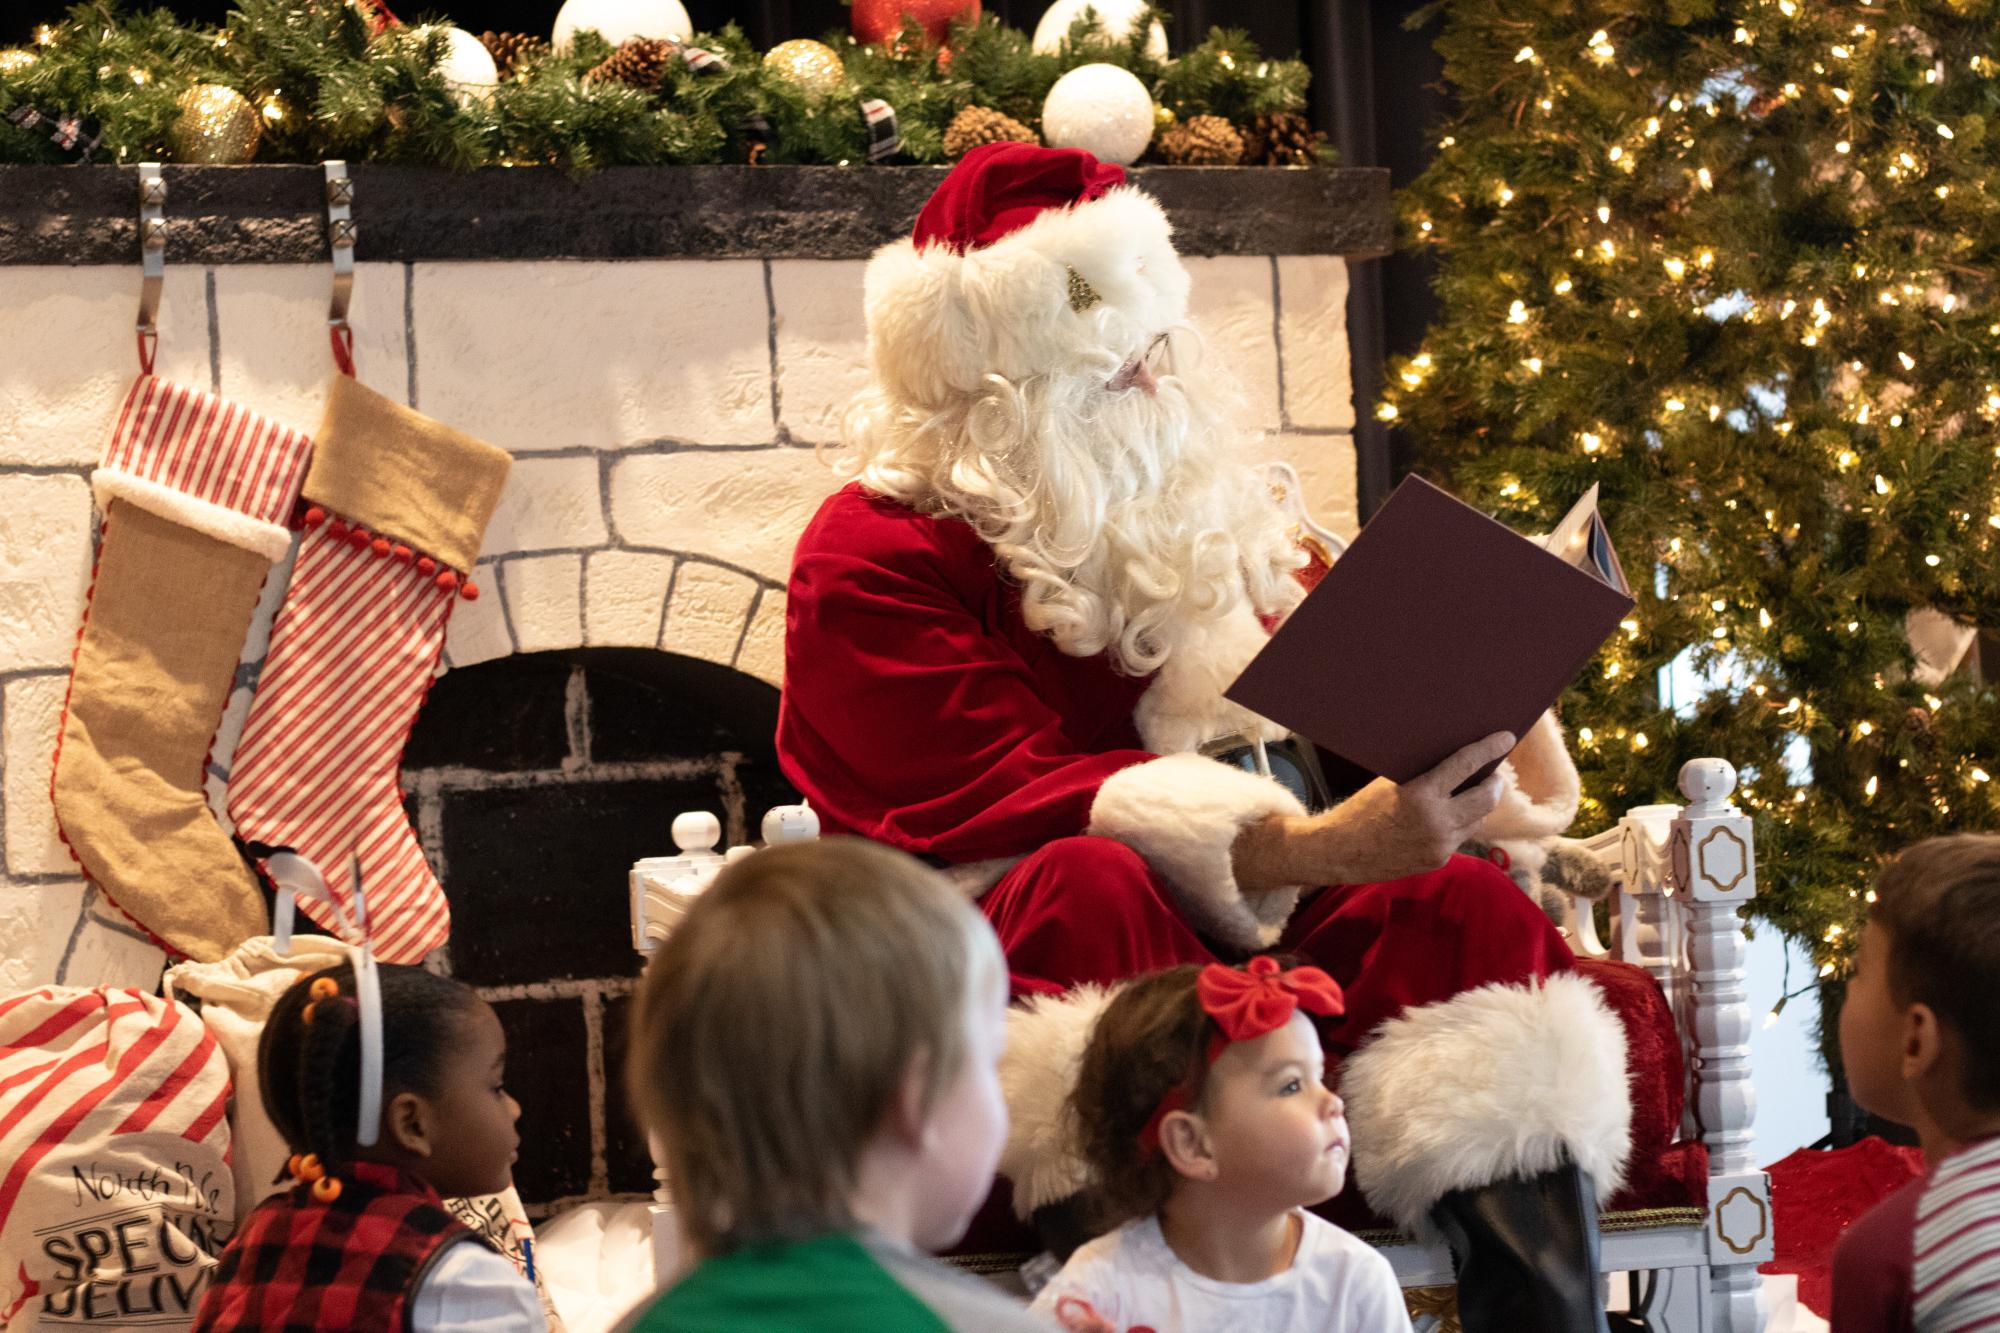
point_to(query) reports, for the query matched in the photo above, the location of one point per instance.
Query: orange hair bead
(292, 1166)
(326, 1189)
(306, 1014)
(310, 1169)
(325, 988)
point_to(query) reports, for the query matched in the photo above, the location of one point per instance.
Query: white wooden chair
(1679, 876)
(1680, 873)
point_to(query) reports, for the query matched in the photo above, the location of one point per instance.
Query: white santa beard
(1130, 520)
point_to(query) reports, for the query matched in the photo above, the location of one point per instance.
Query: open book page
(1581, 539)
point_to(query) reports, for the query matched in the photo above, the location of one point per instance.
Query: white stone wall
(663, 416)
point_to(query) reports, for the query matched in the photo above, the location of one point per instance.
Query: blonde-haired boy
(816, 1048)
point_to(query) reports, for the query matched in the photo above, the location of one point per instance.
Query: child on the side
(362, 1239)
(816, 1050)
(1920, 1039)
(1202, 1111)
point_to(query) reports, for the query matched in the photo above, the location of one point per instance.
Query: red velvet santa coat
(920, 710)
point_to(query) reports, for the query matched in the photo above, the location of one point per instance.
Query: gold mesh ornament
(217, 126)
(806, 64)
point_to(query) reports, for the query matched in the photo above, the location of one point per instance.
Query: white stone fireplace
(665, 417)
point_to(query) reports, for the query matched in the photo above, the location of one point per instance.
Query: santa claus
(1006, 645)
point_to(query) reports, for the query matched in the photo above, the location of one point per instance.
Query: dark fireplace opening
(534, 782)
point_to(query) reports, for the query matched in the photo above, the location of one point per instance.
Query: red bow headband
(1245, 1005)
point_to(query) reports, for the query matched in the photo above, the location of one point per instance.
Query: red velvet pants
(1091, 910)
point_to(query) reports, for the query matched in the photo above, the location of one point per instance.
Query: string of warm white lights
(1740, 271)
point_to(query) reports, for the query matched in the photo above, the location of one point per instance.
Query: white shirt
(1132, 1278)
(472, 1287)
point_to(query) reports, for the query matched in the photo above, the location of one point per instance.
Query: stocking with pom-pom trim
(396, 507)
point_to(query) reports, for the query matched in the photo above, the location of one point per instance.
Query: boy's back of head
(1939, 903)
(778, 1022)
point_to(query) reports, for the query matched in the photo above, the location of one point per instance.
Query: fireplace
(663, 373)
(534, 781)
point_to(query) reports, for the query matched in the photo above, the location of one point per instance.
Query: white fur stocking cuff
(1182, 813)
(1495, 1082)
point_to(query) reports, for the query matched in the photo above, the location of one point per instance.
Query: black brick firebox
(534, 782)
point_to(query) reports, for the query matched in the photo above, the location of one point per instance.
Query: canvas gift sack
(235, 995)
(115, 1190)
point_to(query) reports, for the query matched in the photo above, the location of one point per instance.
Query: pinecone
(1281, 139)
(1202, 141)
(976, 125)
(512, 50)
(640, 62)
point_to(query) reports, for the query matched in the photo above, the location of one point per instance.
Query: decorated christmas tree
(1735, 264)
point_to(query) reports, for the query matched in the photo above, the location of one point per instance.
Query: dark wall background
(1375, 91)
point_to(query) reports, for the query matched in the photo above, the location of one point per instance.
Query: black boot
(1526, 1254)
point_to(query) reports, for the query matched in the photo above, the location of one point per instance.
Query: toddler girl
(362, 1240)
(1202, 1110)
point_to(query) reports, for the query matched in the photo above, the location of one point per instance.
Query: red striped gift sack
(115, 1191)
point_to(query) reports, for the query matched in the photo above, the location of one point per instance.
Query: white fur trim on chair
(1182, 813)
(1184, 707)
(1496, 1082)
(1045, 1040)
(270, 540)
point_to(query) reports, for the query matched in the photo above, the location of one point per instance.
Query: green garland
(330, 86)
(1735, 263)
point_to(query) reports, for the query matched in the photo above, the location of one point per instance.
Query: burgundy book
(1438, 626)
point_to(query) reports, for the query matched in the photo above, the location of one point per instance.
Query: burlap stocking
(195, 492)
(398, 506)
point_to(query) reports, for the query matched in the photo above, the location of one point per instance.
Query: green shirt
(837, 1283)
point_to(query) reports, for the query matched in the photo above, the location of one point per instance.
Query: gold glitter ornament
(217, 126)
(16, 59)
(812, 66)
(1163, 119)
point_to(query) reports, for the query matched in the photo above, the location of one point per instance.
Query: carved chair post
(1714, 874)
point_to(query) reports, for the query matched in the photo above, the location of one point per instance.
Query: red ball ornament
(882, 20)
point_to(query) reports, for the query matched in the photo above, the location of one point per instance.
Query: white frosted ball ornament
(618, 21)
(467, 67)
(1116, 17)
(1101, 109)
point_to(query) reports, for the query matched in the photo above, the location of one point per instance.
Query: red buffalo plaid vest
(297, 1264)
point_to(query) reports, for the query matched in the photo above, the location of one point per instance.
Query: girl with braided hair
(362, 1239)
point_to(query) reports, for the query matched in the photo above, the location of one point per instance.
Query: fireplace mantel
(273, 214)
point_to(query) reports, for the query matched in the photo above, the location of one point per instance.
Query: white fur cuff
(1182, 812)
(270, 540)
(1493, 1083)
(1045, 1040)
(1540, 789)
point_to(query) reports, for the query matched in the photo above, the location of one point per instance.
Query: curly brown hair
(1151, 1038)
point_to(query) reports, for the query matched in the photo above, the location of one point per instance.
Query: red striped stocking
(398, 505)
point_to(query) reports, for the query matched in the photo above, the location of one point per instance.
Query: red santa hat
(1024, 260)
